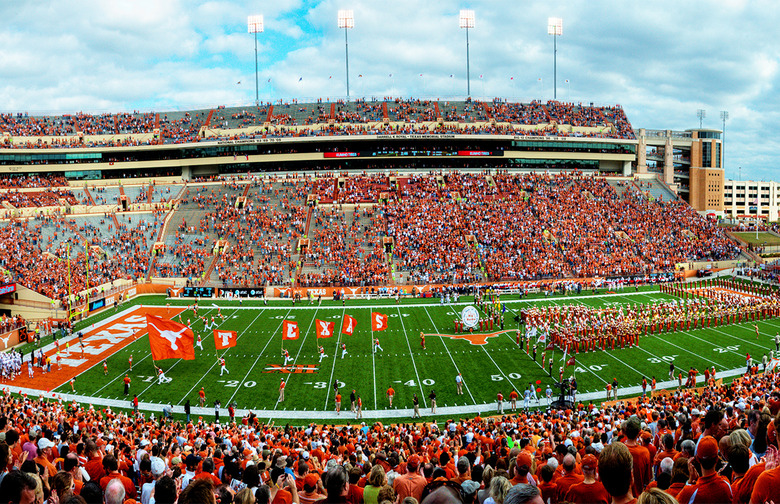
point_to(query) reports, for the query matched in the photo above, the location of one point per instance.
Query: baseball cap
(413, 463)
(192, 460)
(305, 455)
(158, 466)
(44, 443)
(310, 480)
(590, 462)
(524, 459)
(707, 448)
(144, 442)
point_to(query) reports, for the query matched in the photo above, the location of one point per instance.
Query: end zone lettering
(299, 369)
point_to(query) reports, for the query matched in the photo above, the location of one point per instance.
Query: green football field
(255, 364)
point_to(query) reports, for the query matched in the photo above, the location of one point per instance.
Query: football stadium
(381, 299)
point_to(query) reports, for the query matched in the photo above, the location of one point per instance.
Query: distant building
(748, 199)
(690, 162)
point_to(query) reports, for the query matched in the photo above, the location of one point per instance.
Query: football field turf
(255, 364)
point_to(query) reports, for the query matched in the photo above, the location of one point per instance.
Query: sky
(662, 60)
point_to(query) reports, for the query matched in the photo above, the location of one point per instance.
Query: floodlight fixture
(701, 114)
(555, 28)
(255, 25)
(346, 19)
(466, 20)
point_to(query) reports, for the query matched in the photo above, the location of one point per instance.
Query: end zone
(101, 340)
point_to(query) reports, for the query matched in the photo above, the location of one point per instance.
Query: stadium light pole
(555, 28)
(346, 21)
(255, 25)
(467, 21)
(724, 116)
(701, 114)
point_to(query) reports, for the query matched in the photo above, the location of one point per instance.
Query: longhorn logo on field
(169, 335)
(474, 339)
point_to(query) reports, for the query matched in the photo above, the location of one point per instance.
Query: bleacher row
(101, 195)
(183, 127)
(375, 229)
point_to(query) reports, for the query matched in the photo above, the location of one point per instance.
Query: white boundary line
(300, 347)
(414, 364)
(451, 358)
(335, 354)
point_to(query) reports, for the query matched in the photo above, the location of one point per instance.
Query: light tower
(466, 21)
(555, 28)
(701, 114)
(255, 25)
(346, 21)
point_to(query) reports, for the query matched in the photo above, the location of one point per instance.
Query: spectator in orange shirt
(590, 490)
(412, 483)
(524, 465)
(569, 477)
(111, 467)
(616, 468)
(546, 485)
(464, 471)
(44, 452)
(207, 471)
(643, 470)
(711, 486)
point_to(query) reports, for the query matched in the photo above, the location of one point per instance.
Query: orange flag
(225, 339)
(290, 330)
(169, 340)
(378, 321)
(324, 329)
(348, 325)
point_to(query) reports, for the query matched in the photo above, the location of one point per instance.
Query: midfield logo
(301, 368)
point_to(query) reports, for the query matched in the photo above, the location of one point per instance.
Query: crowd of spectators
(346, 251)
(717, 443)
(262, 234)
(544, 226)
(453, 227)
(32, 181)
(316, 119)
(28, 199)
(42, 263)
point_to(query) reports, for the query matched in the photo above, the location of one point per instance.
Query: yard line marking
(414, 364)
(257, 359)
(741, 340)
(373, 353)
(217, 361)
(658, 336)
(295, 360)
(448, 353)
(335, 353)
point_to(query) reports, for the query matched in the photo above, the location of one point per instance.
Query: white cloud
(660, 60)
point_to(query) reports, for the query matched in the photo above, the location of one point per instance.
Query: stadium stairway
(89, 195)
(621, 186)
(659, 190)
